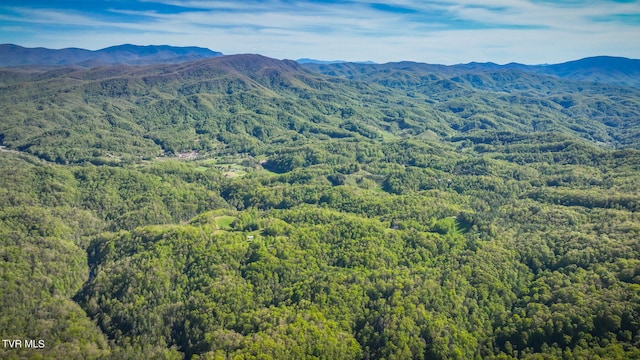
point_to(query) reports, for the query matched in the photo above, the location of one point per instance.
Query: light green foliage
(387, 214)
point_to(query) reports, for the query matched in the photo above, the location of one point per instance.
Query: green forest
(243, 207)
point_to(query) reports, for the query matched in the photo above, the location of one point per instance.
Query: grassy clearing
(227, 166)
(224, 222)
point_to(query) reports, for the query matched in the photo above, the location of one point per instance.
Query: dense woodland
(342, 212)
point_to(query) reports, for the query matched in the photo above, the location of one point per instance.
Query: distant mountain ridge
(600, 69)
(606, 69)
(127, 54)
(315, 61)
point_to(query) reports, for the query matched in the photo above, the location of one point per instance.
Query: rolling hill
(250, 103)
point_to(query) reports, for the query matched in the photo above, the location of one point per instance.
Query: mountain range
(325, 62)
(603, 69)
(255, 104)
(14, 55)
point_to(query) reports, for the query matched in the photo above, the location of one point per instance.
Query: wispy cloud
(446, 31)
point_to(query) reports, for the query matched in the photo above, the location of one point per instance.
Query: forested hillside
(256, 105)
(242, 207)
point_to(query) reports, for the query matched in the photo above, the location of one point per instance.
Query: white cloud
(488, 30)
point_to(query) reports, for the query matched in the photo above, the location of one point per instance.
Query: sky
(438, 32)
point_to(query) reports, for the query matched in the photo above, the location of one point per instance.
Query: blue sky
(441, 31)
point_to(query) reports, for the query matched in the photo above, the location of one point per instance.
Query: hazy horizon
(323, 61)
